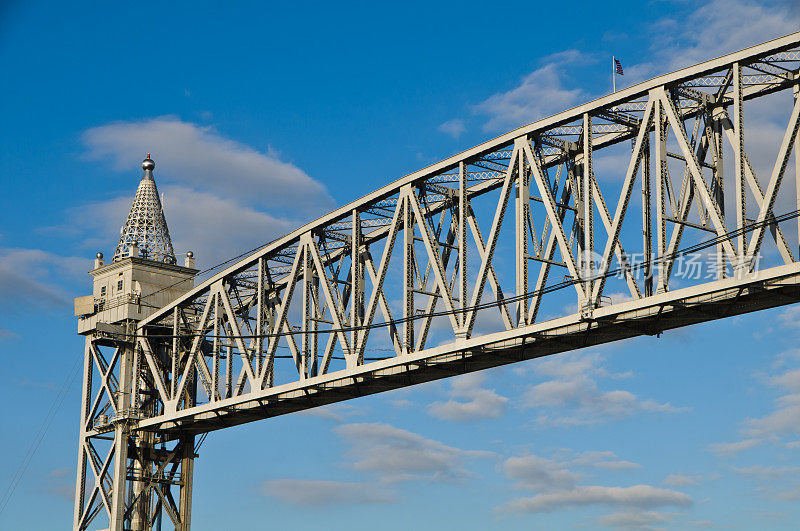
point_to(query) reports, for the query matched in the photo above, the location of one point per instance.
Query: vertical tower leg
(121, 436)
(187, 478)
(86, 397)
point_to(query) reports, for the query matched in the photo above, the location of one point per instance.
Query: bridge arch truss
(469, 264)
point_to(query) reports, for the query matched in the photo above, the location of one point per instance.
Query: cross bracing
(573, 231)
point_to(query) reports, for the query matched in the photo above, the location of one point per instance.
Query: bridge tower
(132, 476)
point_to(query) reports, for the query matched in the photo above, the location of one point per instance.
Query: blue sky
(265, 115)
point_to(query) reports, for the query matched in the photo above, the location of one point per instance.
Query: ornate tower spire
(145, 231)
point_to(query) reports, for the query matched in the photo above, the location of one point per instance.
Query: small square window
(119, 285)
(102, 291)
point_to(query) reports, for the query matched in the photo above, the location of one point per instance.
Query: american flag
(618, 66)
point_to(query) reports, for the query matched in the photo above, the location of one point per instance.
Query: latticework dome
(146, 226)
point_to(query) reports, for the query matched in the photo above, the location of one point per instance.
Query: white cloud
(469, 401)
(38, 278)
(574, 365)
(310, 492)
(767, 471)
(725, 26)
(539, 94)
(60, 483)
(633, 519)
(605, 460)
(694, 35)
(199, 157)
(391, 454)
(218, 229)
(402, 403)
(536, 473)
(680, 480)
(395, 454)
(222, 197)
(454, 127)
(637, 496)
(533, 472)
(214, 228)
(555, 483)
(7, 334)
(790, 317)
(732, 449)
(789, 495)
(335, 412)
(785, 418)
(789, 380)
(573, 396)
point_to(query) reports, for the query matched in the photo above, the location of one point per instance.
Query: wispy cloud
(767, 471)
(605, 460)
(38, 278)
(532, 472)
(693, 35)
(635, 519)
(785, 418)
(395, 454)
(539, 94)
(681, 480)
(556, 482)
(558, 472)
(222, 197)
(335, 412)
(199, 157)
(214, 228)
(385, 453)
(637, 496)
(733, 448)
(572, 395)
(312, 492)
(718, 27)
(59, 483)
(454, 127)
(469, 401)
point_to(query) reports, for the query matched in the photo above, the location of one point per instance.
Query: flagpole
(613, 73)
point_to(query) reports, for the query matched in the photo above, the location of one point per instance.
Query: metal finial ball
(148, 164)
(190, 254)
(99, 256)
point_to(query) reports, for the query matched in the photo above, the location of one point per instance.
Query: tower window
(119, 285)
(102, 291)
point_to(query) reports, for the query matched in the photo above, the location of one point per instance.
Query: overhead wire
(37, 439)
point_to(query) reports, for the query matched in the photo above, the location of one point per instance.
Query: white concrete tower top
(145, 232)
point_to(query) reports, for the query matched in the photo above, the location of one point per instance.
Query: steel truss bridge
(463, 265)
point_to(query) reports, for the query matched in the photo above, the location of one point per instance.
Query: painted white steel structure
(313, 317)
